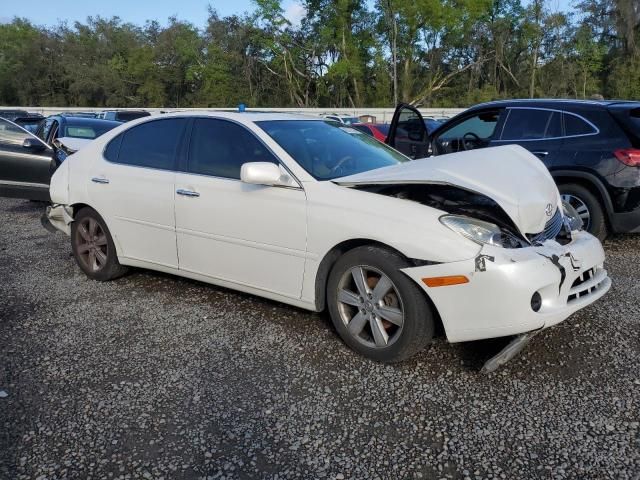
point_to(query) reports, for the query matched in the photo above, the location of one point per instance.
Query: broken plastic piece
(508, 352)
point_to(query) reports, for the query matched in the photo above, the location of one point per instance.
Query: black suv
(592, 149)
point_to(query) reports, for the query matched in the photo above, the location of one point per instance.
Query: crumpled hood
(516, 179)
(74, 144)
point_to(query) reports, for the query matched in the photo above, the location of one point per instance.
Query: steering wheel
(342, 161)
(474, 140)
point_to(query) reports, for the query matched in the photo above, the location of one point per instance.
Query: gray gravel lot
(153, 376)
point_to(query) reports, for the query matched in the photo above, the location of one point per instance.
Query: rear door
(132, 187)
(538, 130)
(25, 170)
(408, 133)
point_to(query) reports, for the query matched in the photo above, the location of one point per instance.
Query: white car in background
(318, 215)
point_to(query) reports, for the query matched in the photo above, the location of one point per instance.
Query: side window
(44, 129)
(411, 126)
(112, 149)
(574, 125)
(152, 144)
(531, 124)
(482, 126)
(219, 148)
(10, 134)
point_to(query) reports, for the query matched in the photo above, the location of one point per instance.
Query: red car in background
(377, 130)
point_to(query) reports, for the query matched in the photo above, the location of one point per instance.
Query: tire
(596, 223)
(404, 337)
(94, 251)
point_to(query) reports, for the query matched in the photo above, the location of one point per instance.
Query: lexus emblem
(548, 209)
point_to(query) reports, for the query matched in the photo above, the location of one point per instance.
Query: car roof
(553, 103)
(254, 116)
(85, 121)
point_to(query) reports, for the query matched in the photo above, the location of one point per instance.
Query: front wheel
(93, 247)
(588, 208)
(376, 309)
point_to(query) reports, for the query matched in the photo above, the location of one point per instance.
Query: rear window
(128, 116)
(86, 131)
(574, 125)
(629, 119)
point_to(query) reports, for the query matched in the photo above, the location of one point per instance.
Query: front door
(228, 230)
(25, 168)
(408, 132)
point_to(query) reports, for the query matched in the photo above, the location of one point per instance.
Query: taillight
(628, 156)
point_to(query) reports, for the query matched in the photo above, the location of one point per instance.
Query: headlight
(572, 216)
(481, 232)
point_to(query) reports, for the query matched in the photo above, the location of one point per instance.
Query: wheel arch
(588, 181)
(330, 258)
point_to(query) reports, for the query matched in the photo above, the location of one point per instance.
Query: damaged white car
(318, 215)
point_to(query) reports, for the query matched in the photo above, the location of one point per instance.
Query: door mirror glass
(264, 173)
(33, 144)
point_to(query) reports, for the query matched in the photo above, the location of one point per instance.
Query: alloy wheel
(580, 207)
(370, 306)
(91, 244)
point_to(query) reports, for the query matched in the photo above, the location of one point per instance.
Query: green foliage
(342, 53)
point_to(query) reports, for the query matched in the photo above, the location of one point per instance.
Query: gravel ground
(153, 376)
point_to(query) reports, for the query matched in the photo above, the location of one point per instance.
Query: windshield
(328, 150)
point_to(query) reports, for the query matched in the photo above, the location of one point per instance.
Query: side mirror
(264, 173)
(33, 144)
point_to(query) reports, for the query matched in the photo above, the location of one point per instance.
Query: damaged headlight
(481, 232)
(572, 217)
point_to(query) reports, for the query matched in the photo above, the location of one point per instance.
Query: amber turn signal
(445, 281)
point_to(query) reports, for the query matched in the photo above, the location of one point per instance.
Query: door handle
(100, 180)
(541, 154)
(187, 193)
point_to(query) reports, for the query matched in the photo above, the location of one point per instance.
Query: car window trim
(174, 169)
(280, 162)
(561, 112)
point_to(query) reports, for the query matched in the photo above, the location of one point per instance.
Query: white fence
(382, 115)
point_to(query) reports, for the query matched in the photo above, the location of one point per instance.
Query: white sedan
(318, 215)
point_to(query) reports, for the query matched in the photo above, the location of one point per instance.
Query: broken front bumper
(58, 217)
(497, 300)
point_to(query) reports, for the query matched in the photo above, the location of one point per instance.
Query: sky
(49, 12)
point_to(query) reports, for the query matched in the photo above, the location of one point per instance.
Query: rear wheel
(587, 206)
(93, 247)
(377, 310)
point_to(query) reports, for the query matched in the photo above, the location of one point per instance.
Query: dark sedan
(27, 161)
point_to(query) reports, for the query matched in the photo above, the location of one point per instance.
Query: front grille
(587, 283)
(553, 226)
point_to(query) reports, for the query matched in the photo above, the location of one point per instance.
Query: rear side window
(152, 144)
(532, 124)
(574, 125)
(113, 149)
(219, 148)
